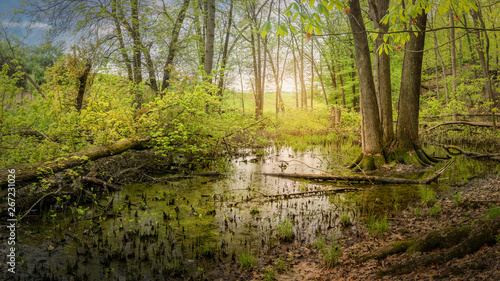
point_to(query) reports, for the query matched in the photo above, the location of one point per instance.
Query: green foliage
(284, 230)
(176, 267)
(247, 261)
(427, 195)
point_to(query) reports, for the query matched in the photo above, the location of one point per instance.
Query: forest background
(202, 77)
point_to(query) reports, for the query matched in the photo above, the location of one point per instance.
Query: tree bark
(409, 96)
(370, 124)
(225, 50)
(123, 51)
(209, 39)
(82, 80)
(383, 66)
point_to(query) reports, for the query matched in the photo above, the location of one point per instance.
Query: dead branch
(475, 124)
(361, 179)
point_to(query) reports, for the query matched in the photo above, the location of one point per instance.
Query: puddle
(183, 225)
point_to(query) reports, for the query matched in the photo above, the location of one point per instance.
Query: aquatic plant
(247, 261)
(284, 230)
(254, 211)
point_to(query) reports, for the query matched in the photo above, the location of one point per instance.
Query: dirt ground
(306, 263)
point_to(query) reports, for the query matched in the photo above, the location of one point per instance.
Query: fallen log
(475, 124)
(296, 194)
(356, 178)
(29, 172)
(466, 240)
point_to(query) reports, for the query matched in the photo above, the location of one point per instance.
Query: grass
(269, 274)
(284, 230)
(457, 198)
(345, 220)
(427, 195)
(493, 212)
(436, 209)
(281, 265)
(417, 211)
(377, 227)
(176, 268)
(332, 253)
(247, 261)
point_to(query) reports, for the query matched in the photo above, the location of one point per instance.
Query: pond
(186, 223)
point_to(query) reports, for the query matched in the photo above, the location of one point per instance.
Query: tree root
(455, 151)
(458, 242)
(475, 124)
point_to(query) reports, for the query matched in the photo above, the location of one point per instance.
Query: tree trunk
(29, 172)
(225, 50)
(372, 153)
(82, 81)
(407, 147)
(453, 61)
(172, 48)
(123, 51)
(383, 68)
(482, 53)
(209, 39)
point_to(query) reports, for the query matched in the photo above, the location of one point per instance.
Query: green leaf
(311, 3)
(318, 31)
(292, 28)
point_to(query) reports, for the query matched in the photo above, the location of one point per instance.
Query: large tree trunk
(172, 48)
(482, 51)
(372, 153)
(409, 96)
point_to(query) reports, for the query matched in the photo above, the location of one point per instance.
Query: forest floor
(306, 262)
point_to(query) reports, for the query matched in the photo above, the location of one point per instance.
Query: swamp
(249, 140)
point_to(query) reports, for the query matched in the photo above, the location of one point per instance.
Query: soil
(306, 262)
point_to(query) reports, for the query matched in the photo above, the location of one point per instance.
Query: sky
(18, 25)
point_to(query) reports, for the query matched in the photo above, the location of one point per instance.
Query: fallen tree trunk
(355, 178)
(465, 240)
(475, 124)
(29, 172)
(296, 194)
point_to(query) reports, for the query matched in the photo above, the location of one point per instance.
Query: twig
(32, 206)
